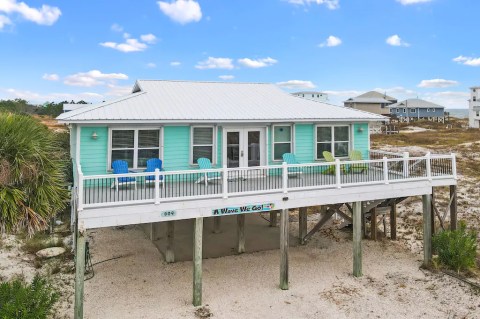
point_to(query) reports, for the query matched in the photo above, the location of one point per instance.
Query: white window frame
(404, 110)
(332, 142)
(413, 110)
(398, 110)
(428, 109)
(292, 139)
(135, 143)
(433, 110)
(214, 145)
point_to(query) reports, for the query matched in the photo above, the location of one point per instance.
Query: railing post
(225, 181)
(406, 171)
(157, 186)
(454, 165)
(80, 191)
(337, 173)
(385, 169)
(428, 166)
(285, 177)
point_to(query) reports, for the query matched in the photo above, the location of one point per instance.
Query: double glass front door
(244, 147)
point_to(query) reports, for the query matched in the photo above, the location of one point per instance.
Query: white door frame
(243, 130)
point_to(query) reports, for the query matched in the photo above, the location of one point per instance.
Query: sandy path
(141, 285)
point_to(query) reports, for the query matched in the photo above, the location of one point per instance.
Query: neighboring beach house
(266, 148)
(474, 107)
(371, 101)
(417, 109)
(312, 95)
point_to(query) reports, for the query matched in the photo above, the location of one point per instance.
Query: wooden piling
(241, 233)
(432, 210)
(373, 224)
(393, 220)
(79, 275)
(427, 229)
(302, 224)
(170, 251)
(152, 231)
(197, 261)
(216, 225)
(284, 249)
(357, 239)
(453, 207)
(273, 218)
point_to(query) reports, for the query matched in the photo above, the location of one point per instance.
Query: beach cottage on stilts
(175, 150)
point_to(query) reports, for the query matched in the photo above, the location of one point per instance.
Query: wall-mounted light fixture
(94, 136)
(360, 129)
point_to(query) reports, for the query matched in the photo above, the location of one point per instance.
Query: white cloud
(332, 41)
(148, 38)
(93, 78)
(181, 11)
(258, 63)
(4, 20)
(50, 77)
(449, 99)
(116, 27)
(465, 60)
(296, 84)
(175, 63)
(215, 63)
(118, 90)
(330, 4)
(226, 77)
(46, 15)
(396, 41)
(437, 83)
(408, 2)
(151, 65)
(130, 45)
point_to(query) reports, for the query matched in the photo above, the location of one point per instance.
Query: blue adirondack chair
(204, 163)
(121, 167)
(290, 158)
(152, 165)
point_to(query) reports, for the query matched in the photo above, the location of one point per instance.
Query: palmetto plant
(32, 175)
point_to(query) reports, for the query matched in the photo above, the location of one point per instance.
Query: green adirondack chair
(329, 159)
(357, 168)
(290, 158)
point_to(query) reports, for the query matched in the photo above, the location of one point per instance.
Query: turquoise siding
(360, 138)
(176, 149)
(304, 143)
(93, 153)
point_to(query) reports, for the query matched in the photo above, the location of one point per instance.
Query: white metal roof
(375, 94)
(416, 103)
(157, 101)
(372, 100)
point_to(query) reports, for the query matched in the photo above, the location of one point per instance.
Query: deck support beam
(79, 274)
(432, 210)
(328, 214)
(393, 220)
(273, 218)
(241, 233)
(453, 207)
(152, 231)
(170, 251)
(216, 224)
(357, 239)
(197, 261)
(284, 249)
(302, 224)
(427, 229)
(373, 224)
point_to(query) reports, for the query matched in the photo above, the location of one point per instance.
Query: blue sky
(54, 50)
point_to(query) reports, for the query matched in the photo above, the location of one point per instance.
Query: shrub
(21, 300)
(456, 249)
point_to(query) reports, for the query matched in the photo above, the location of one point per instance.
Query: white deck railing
(163, 186)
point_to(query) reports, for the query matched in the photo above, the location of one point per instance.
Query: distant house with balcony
(474, 107)
(312, 95)
(373, 102)
(417, 109)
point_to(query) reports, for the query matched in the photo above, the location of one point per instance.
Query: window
(398, 110)
(428, 109)
(478, 113)
(134, 146)
(433, 110)
(404, 110)
(282, 141)
(474, 98)
(313, 95)
(413, 110)
(334, 139)
(202, 143)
